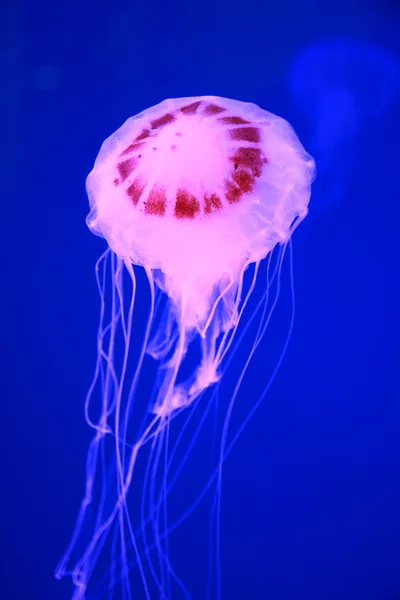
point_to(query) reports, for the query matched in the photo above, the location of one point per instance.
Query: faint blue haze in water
(341, 84)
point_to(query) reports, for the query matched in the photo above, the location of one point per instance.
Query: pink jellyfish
(195, 191)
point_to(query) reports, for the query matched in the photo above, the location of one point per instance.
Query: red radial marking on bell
(233, 121)
(246, 134)
(232, 192)
(126, 167)
(164, 120)
(212, 204)
(135, 190)
(249, 158)
(244, 180)
(190, 109)
(156, 202)
(213, 109)
(186, 205)
(143, 135)
(132, 148)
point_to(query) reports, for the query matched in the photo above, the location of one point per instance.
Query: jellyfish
(341, 83)
(190, 195)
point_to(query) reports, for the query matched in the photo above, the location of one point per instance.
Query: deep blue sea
(311, 489)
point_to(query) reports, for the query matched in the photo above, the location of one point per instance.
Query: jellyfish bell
(197, 188)
(194, 190)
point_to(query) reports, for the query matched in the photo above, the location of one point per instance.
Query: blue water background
(312, 489)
